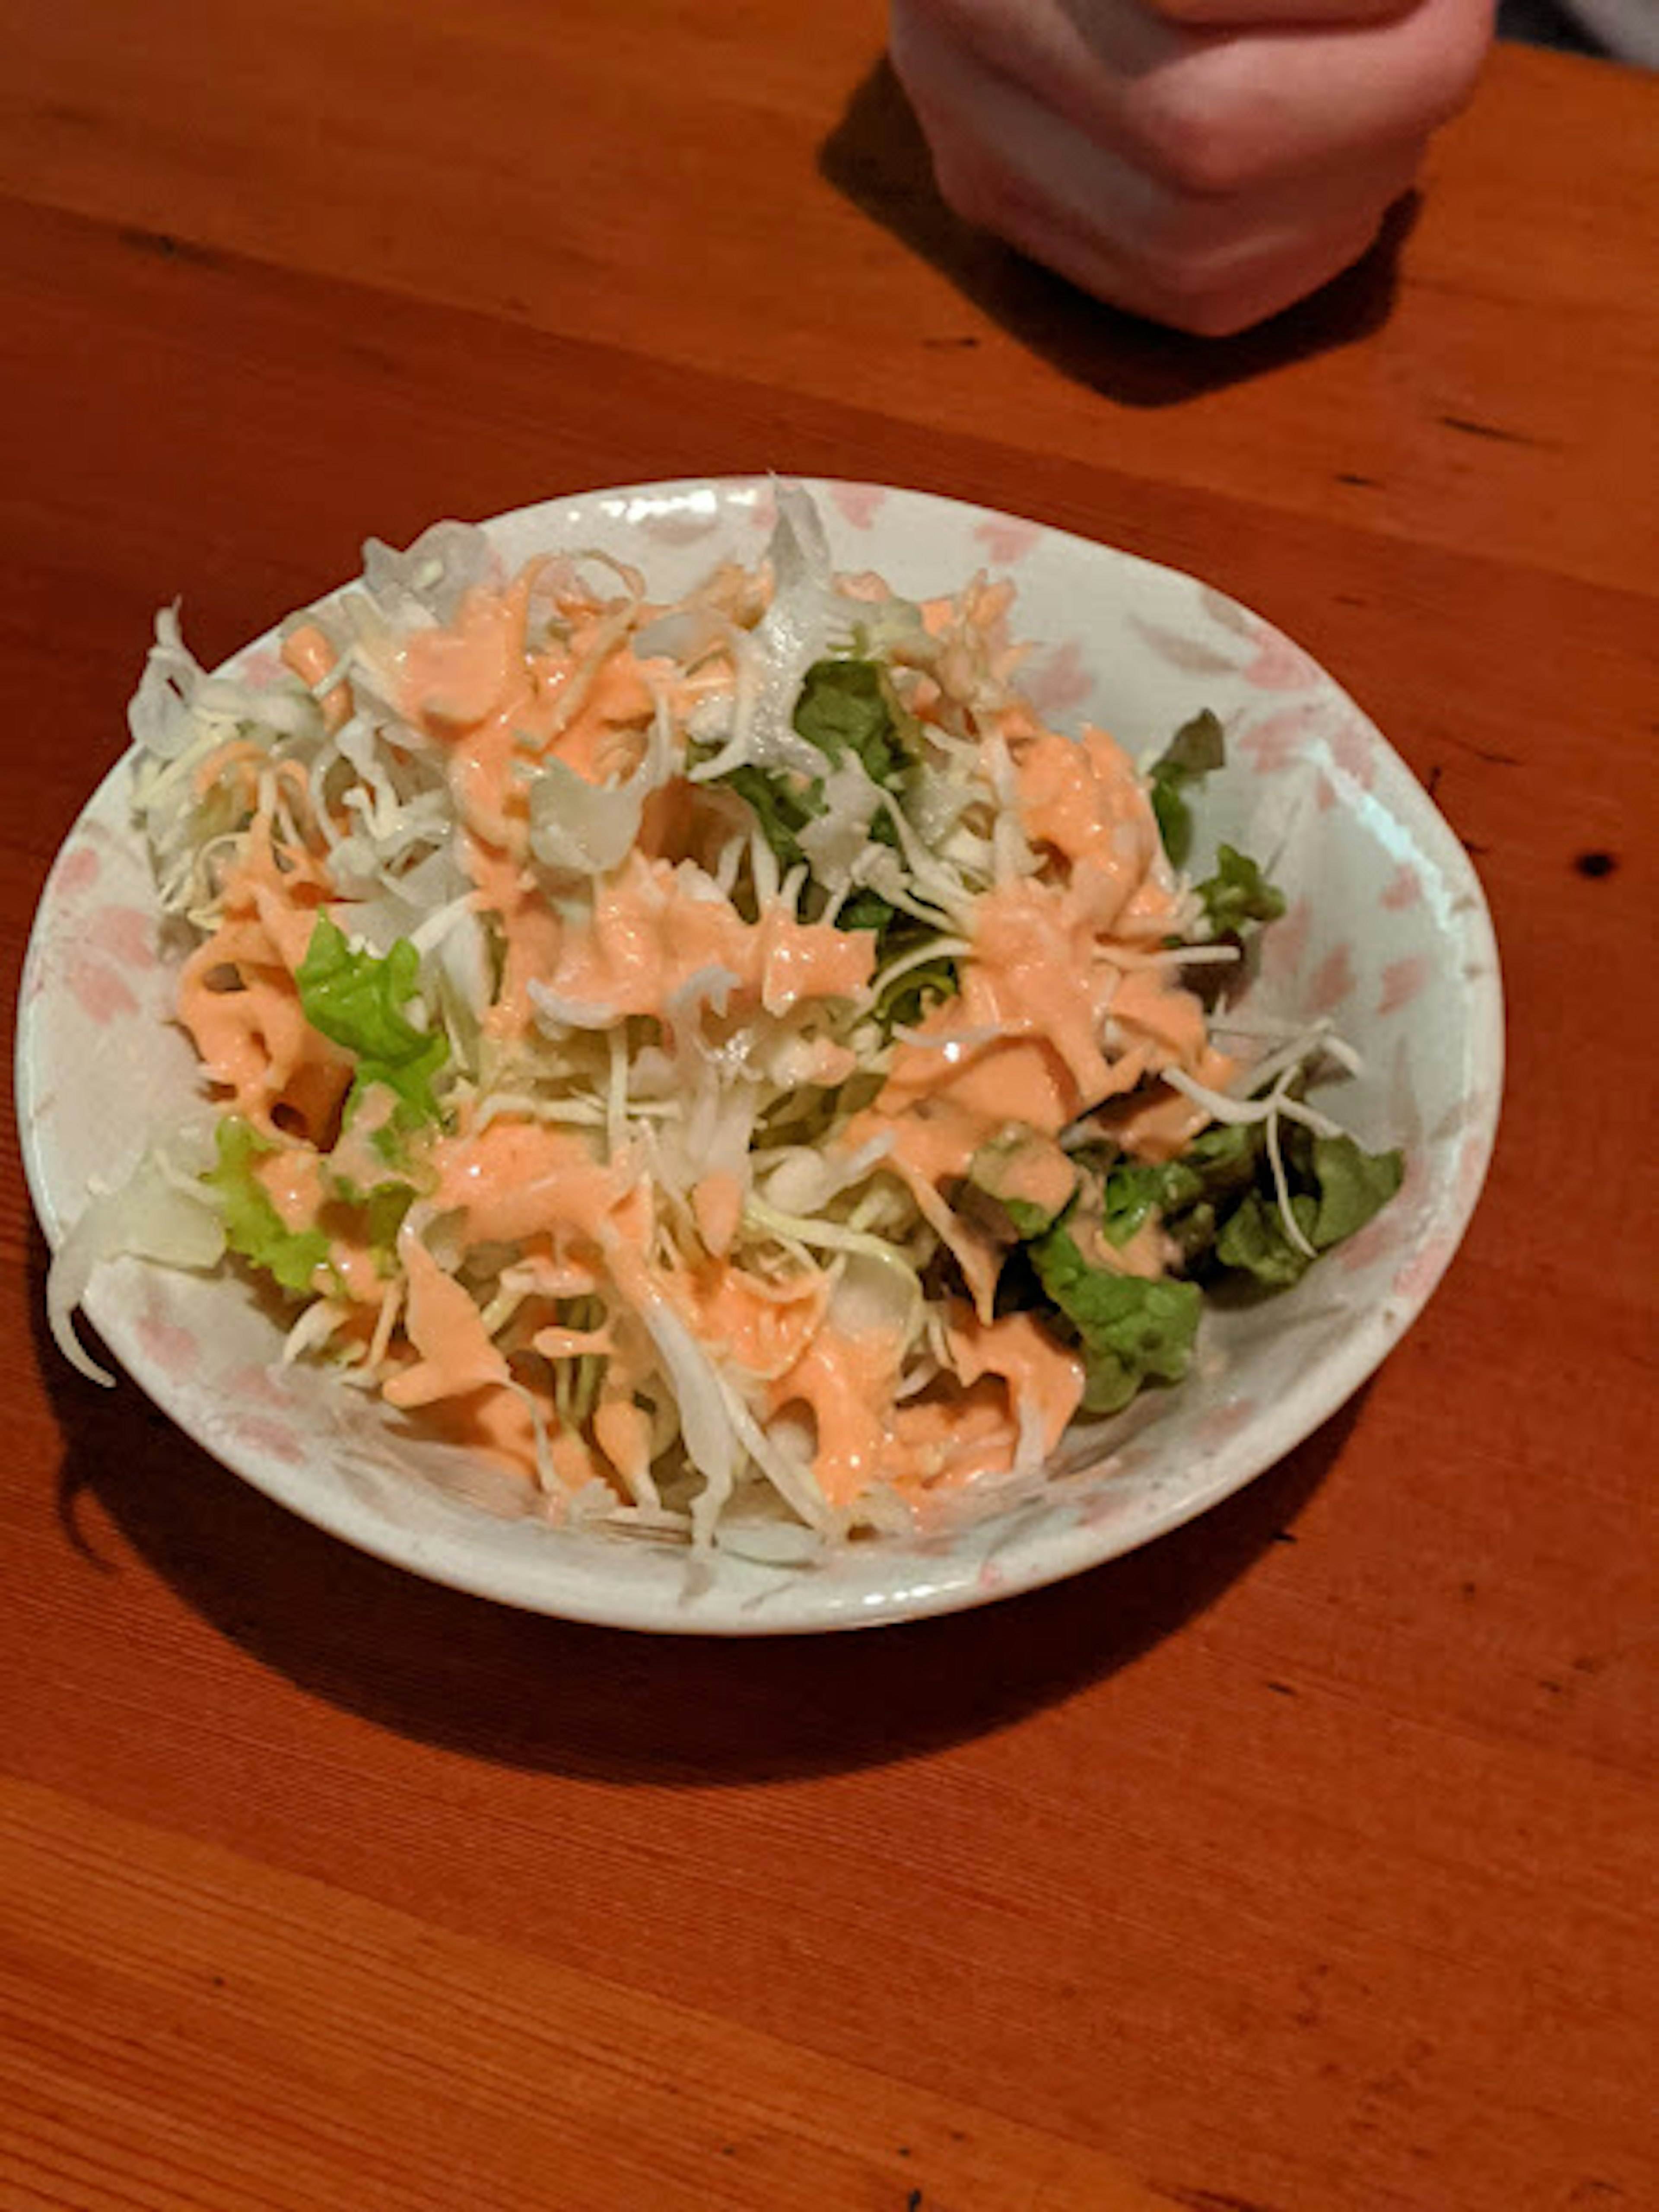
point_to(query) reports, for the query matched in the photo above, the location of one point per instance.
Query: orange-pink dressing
(455, 1354)
(292, 1179)
(717, 1208)
(531, 933)
(846, 1381)
(473, 686)
(1084, 798)
(560, 1343)
(355, 1269)
(1038, 961)
(312, 659)
(1168, 1020)
(1146, 1253)
(651, 934)
(517, 1180)
(1034, 1171)
(596, 736)
(761, 1327)
(622, 1432)
(941, 1445)
(254, 1039)
(1034, 963)
(1035, 1369)
(455, 679)
(1157, 1127)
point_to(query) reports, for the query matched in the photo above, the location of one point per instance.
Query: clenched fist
(1204, 163)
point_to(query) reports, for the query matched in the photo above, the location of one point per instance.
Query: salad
(725, 1059)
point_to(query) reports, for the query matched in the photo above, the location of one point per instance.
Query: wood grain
(1303, 1863)
(697, 185)
(297, 2037)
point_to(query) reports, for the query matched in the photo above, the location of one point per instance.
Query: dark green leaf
(388, 1202)
(1199, 1185)
(1238, 892)
(849, 707)
(844, 706)
(1353, 1185)
(1197, 750)
(782, 807)
(868, 909)
(1336, 1188)
(1254, 1242)
(1194, 1230)
(1224, 1158)
(1131, 1330)
(917, 991)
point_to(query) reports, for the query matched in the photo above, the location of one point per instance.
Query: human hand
(1203, 162)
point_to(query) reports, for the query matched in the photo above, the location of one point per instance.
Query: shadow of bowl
(523, 1690)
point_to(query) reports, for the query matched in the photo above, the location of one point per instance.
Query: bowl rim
(817, 1605)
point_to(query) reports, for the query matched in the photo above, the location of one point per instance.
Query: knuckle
(1197, 133)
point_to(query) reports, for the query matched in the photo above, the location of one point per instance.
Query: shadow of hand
(877, 157)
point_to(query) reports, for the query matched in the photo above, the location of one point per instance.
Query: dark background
(1544, 25)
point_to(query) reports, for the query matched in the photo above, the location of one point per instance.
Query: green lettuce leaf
(782, 807)
(1336, 1186)
(1198, 1188)
(1197, 750)
(1238, 892)
(1353, 1184)
(1130, 1330)
(386, 1206)
(252, 1226)
(1185, 1191)
(356, 1000)
(1253, 1240)
(868, 910)
(1129, 1193)
(850, 707)
(1217, 1165)
(844, 706)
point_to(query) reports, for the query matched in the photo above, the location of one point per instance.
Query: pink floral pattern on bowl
(1387, 928)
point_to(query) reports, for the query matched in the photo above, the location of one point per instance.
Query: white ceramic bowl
(1387, 930)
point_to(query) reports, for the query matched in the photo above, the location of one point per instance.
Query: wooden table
(1300, 1862)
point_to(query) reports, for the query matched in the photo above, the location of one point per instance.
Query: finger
(1214, 110)
(1237, 111)
(1275, 14)
(1010, 165)
(1212, 302)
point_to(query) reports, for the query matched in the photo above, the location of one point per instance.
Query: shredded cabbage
(159, 1211)
(727, 1059)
